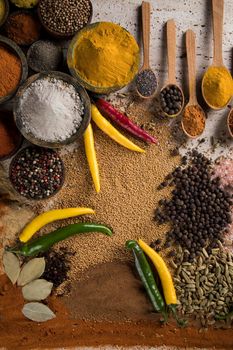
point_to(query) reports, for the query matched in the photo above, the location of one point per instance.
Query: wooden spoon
(230, 129)
(146, 77)
(171, 55)
(191, 58)
(217, 12)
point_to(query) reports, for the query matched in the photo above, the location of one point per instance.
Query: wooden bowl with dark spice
(4, 5)
(30, 108)
(13, 63)
(73, 18)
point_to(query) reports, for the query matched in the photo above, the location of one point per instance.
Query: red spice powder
(9, 134)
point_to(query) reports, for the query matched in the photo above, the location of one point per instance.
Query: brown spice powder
(128, 195)
(193, 120)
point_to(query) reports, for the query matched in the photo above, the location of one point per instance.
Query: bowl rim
(31, 198)
(83, 96)
(88, 86)
(26, 11)
(24, 66)
(6, 14)
(58, 34)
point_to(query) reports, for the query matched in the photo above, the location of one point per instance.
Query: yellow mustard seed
(2, 10)
(25, 3)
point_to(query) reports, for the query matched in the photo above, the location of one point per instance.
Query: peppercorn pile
(171, 100)
(65, 17)
(37, 173)
(199, 210)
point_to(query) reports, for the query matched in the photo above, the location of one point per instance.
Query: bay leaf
(37, 290)
(11, 266)
(37, 312)
(31, 271)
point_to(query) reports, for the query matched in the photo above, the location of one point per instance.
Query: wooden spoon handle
(191, 58)
(146, 33)
(171, 51)
(218, 9)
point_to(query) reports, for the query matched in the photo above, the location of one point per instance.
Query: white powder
(51, 109)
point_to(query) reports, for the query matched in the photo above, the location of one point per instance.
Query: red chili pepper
(123, 121)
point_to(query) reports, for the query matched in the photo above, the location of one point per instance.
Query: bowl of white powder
(51, 109)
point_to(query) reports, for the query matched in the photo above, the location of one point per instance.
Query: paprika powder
(10, 71)
(10, 137)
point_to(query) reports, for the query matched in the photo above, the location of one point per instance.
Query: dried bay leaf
(11, 266)
(37, 290)
(37, 312)
(31, 271)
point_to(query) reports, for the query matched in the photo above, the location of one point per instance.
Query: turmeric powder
(106, 55)
(217, 87)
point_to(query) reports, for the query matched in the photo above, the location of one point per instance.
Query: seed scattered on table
(37, 173)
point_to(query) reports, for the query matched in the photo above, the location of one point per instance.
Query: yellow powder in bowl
(106, 55)
(2, 10)
(25, 3)
(217, 86)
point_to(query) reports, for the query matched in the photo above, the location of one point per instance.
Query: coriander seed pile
(65, 17)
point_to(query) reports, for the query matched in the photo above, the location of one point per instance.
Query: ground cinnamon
(23, 28)
(193, 120)
(10, 71)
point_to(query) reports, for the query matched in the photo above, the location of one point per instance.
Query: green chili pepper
(45, 242)
(147, 278)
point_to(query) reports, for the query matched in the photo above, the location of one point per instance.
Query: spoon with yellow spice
(217, 84)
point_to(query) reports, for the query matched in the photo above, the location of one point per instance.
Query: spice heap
(199, 210)
(146, 82)
(205, 287)
(51, 109)
(193, 120)
(23, 28)
(171, 100)
(37, 173)
(10, 71)
(25, 3)
(44, 56)
(217, 86)
(2, 10)
(66, 16)
(10, 137)
(109, 46)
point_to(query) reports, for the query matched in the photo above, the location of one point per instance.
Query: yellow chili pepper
(50, 216)
(112, 132)
(91, 156)
(164, 273)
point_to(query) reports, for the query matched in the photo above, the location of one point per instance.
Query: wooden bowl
(83, 96)
(86, 84)
(16, 49)
(7, 8)
(59, 35)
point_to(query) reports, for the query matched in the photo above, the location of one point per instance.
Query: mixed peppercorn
(37, 173)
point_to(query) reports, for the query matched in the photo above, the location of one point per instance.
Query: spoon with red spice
(193, 120)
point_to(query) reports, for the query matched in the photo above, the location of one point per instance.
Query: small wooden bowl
(83, 96)
(59, 35)
(17, 50)
(86, 84)
(7, 10)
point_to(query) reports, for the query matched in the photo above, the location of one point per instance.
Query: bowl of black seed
(171, 100)
(44, 56)
(64, 18)
(37, 173)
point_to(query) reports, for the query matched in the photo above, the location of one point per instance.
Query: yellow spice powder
(2, 10)
(217, 86)
(25, 3)
(106, 55)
